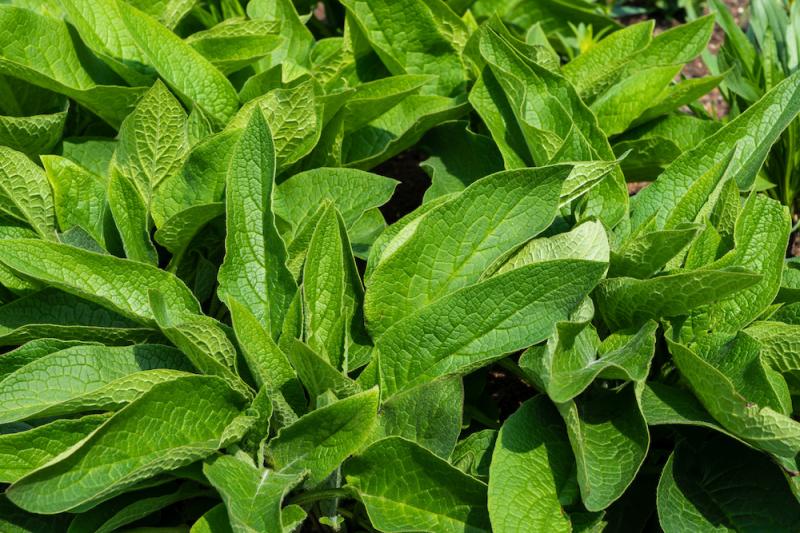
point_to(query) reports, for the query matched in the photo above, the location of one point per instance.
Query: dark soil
(413, 180)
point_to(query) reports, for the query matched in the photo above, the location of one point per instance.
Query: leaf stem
(317, 495)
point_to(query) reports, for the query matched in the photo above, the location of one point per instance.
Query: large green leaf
(434, 496)
(184, 69)
(719, 485)
(531, 466)
(478, 324)
(196, 415)
(40, 50)
(25, 451)
(486, 220)
(86, 378)
(118, 284)
(430, 40)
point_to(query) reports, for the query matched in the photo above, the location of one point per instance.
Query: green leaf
(473, 454)
(780, 344)
(153, 141)
(610, 440)
(629, 302)
(435, 496)
(215, 520)
(79, 196)
(319, 441)
(555, 123)
(719, 485)
(26, 451)
(235, 43)
(252, 496)
(317, 374)
(184, 69)
(94, 154)
(398, 129)
(429, 415)
(25, 40)
(748, 137)
(99, 25)
(197, 415)
(478, 324)
(430, 41)
(117, 284)
(294, 118)
(35, 134)
(131, 218)
(177, 233)
(487, 219)
(25, 192)
(596, 69)
(761, 427)
(644, 255)
(627, 100)
(761, 236)
(531, 466)
(254, 270)
(202, 340)
(586, 241)
(129, 508)
(200, 181)
(458, 157)
(572, 360)
(374, 98)
(267, 362)
(54, 314)
(326, 315)
(31, 351)
(352, 191)
(666, 405)
(15, 520)
(86, 378)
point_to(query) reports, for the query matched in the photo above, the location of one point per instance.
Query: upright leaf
(531, 466)
(252, 496)
(254, 271)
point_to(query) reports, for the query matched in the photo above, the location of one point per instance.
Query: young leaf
(252, 496)
(130, 214)
(319, 441)
(254, 270)
(25, 193)
(79, 196)
(153, 140)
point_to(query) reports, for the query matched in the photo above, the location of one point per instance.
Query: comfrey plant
(209, 326)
